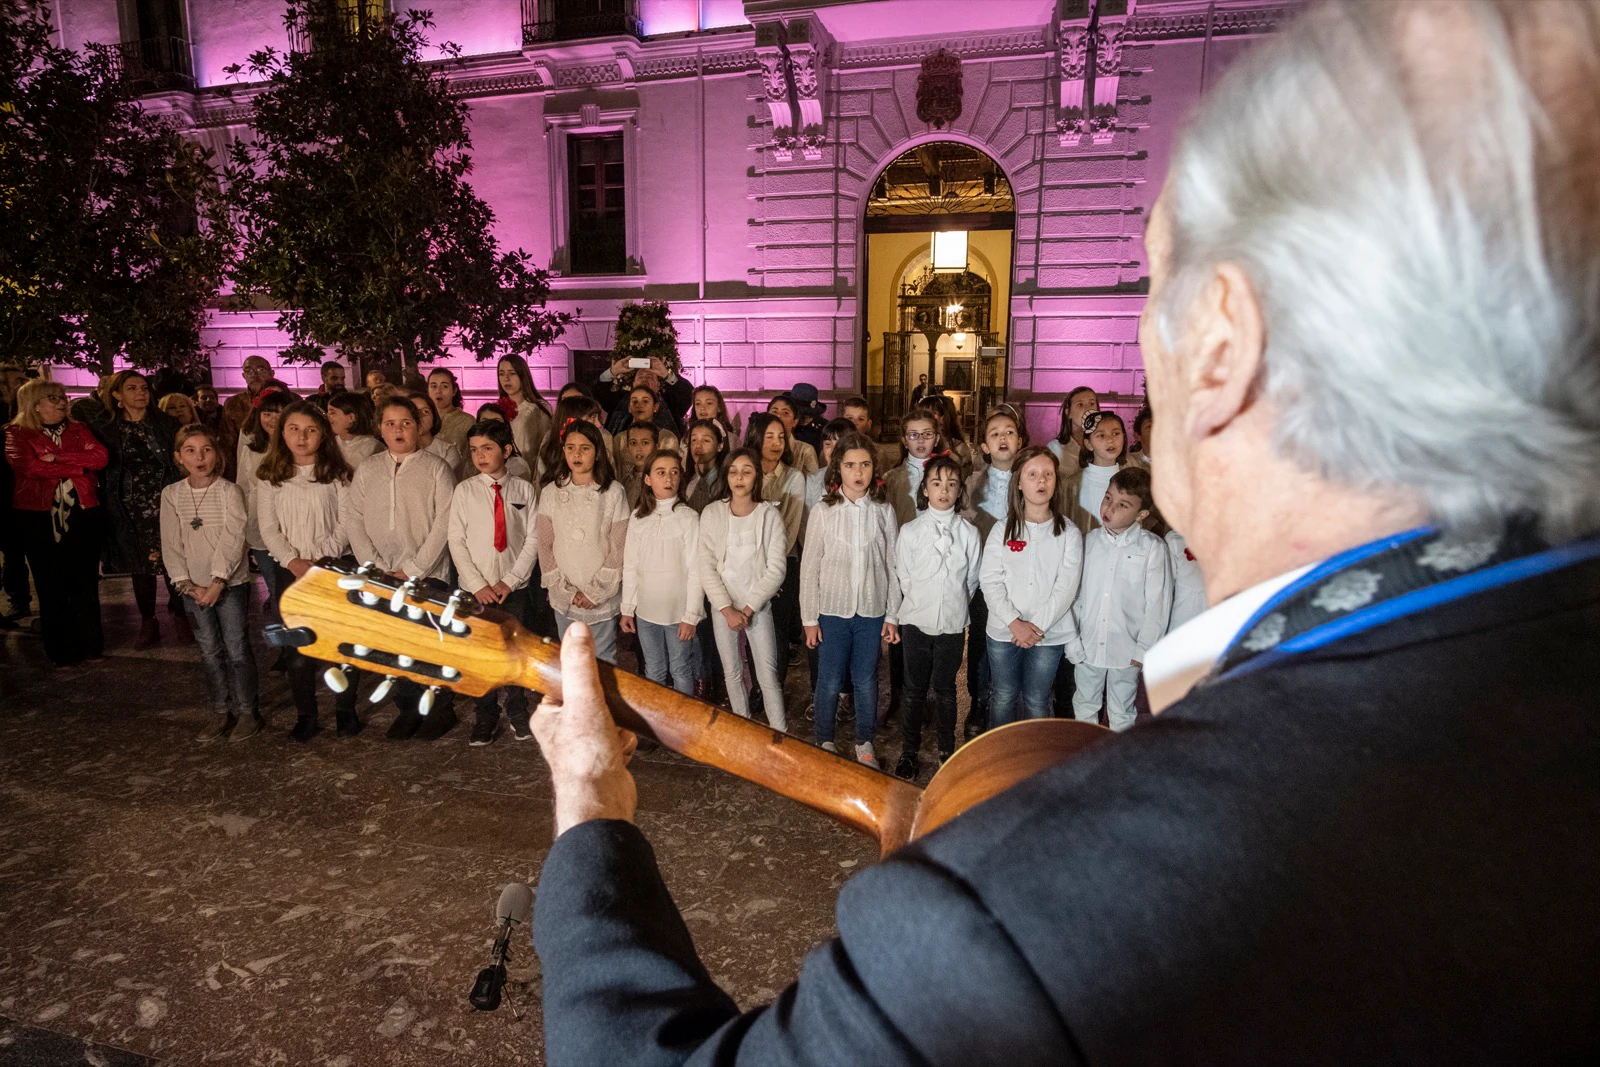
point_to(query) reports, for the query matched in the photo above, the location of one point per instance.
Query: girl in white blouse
(428, 438)
(849, 589)
(937, 559)
(783, 486)
(1105, 452)
(661, 595)
(203, 547)
(743, 558)
(351, 418)
(1031, 564)
(582, 530)
(304, 479)
(254, 440)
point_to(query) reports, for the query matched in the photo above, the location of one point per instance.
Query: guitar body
(995, 761)
(443, 638)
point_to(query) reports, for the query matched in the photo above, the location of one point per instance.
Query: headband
(1093, 419)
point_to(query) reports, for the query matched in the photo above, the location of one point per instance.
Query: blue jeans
(849, 646)
(661, 649)
(225, 656)
(1031, 670)
(604, 632)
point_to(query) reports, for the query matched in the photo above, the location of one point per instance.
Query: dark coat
(1382, 851)
(134, 524)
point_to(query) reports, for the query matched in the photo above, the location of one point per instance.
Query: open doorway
(937, 286)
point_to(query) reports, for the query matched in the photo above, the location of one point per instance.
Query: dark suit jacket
(1384, 851)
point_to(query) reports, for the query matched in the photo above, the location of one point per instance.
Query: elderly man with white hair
(1365, 826)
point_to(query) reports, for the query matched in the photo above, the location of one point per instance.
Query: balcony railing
(566, 20)
(156, 63)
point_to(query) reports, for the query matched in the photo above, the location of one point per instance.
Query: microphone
(516, 901)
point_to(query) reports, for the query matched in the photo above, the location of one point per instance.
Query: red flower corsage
(1188, 555)
(1016, 546)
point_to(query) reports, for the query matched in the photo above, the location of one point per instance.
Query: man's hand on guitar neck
(588, 753)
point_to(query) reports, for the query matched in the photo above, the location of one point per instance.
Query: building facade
(776, 170)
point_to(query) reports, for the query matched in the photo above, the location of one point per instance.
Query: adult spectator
(618, 380)
(139, 440)
(180, 407)
(95, 407)
(332, 385)
(373, 378)
(14, 569)
(809, 412)
(58, 514)
(257, 372)
(1369, 836)
(212, 418)
(920, 391)
(454, 423)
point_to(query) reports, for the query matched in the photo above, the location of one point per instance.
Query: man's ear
(1227, 343)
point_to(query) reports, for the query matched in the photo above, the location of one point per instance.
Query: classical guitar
(443, 638)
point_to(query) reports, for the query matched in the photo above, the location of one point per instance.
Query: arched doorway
(939, 230)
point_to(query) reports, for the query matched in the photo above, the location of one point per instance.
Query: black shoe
(305, 728)
(521, 731)
(908, 768)
(977, 721)
(436, 725)
(404, 726)
(349, 723)
(483, 732)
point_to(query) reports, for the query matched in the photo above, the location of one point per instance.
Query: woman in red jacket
(57, 502)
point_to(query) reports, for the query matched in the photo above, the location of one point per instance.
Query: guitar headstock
(421, 630)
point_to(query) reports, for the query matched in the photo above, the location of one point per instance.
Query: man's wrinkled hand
(587, 752)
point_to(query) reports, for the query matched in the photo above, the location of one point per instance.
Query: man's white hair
(1414, 190)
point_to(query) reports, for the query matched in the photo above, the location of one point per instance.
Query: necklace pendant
(196, 522)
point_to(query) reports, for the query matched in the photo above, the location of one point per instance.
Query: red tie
(499, 520)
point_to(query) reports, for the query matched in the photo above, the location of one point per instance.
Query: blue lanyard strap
(1390, 579)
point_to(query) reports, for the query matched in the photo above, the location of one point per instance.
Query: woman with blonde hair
(56, 504)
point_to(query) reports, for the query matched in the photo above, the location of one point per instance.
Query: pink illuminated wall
(759, 250)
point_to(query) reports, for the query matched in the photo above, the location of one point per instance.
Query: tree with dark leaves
(355, 212)
(114, 235)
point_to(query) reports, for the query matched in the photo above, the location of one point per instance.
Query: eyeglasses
(929, 436)
(54, 398)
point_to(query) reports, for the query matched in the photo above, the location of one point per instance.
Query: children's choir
(707, 551)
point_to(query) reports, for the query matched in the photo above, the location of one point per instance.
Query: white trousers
(762, 635)
(1116, 684)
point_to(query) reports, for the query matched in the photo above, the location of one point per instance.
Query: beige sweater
(397, 513)
(582, 532)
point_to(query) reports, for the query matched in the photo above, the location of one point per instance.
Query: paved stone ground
(327, 904)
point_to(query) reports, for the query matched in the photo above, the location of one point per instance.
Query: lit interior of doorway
(941, 187)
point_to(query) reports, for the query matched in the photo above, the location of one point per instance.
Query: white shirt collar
(664, 507)
(401, 461)
(1181, 659)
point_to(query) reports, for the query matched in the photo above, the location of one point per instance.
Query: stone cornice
(911, 52)
(1225, 22)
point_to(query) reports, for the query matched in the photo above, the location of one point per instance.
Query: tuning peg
(369, 599)
(398, 602)
(457, 626)
(352, 583)
(413, 612)
(337, 678)
(450, 673)
(449, 612)
(425, 701)
(404, 661)
(383, 689)
(361, 651)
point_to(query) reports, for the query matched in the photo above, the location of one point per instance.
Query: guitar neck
(869, 801)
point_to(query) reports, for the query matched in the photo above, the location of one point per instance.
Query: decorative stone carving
(1095, 119)
(791, 56)
(939, 89)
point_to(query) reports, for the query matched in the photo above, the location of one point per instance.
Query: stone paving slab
(327, 904)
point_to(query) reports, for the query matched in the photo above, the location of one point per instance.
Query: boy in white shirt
(492, 545)
(1123, 602)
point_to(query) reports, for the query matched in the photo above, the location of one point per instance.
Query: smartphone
(638, 363)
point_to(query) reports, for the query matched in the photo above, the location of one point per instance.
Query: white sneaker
(829, 746)
(865, 755)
